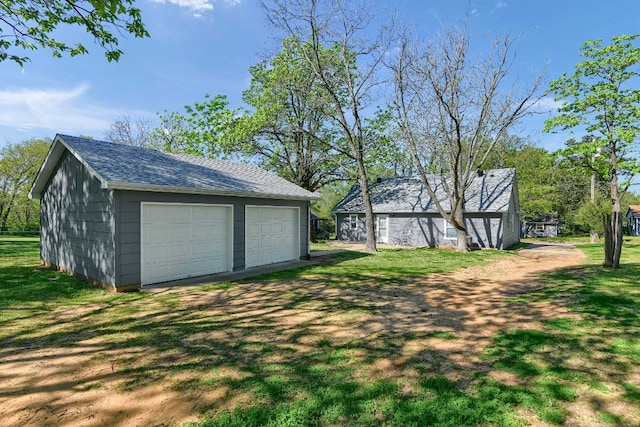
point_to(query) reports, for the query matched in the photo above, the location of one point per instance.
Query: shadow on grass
(597, 349)
(23, 285)
(354, 343)
(22, 281)
(387, 267)
(332, 259)
(311, 353)
(19, 247)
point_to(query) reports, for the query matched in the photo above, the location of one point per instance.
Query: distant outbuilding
(546, 225)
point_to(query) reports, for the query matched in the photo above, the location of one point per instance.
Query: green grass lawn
(25, 287)
(581, 239)
(389, 266)
(266, 352)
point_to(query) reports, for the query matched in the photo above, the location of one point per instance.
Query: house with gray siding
(406, 215)
(633, 219)
(546, 225)
(125, 217)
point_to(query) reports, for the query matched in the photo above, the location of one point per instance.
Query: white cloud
(197, 7)
(547, 104)
(53, 110)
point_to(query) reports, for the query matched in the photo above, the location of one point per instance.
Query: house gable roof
(551, 218)
(122, 167)
(490, 192)
(635, 211)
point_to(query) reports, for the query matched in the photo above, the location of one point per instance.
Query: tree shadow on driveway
(462, 348)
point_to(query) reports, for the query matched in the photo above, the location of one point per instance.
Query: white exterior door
(382, 228)
(184, 240)
(272, 235)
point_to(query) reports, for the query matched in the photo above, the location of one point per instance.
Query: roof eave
(54, 155)
(128, 186)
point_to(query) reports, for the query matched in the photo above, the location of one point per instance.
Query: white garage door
(273, 235)
(184, 240)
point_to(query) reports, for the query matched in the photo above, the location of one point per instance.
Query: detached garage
(125, 217)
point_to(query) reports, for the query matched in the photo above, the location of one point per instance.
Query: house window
(449, 230)
(540, 228)
(353, 221)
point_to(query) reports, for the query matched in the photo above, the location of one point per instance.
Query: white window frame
(448, 226)
(353, 221)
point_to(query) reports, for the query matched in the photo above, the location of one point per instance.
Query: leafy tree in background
(453, 110)
(387, 154)
(27, 25)
(584, 197)
(288, 131)
(202, 129)
(24, 215)
(600, 97)
(345, 56)
(19, 165)
(537, 174)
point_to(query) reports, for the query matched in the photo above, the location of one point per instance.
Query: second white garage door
(184, 240)
(273, 235)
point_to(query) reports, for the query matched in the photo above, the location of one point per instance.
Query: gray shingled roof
(133, 168)
(488, 193)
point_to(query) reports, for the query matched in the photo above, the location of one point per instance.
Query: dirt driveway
(83, 381)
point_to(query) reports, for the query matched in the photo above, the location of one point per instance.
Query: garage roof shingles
(135, 168)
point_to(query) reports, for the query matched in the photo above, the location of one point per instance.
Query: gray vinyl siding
(486, 229)
(511, 232)
(77, 223)
(404, 229)
(416, 230)
(128, 225)
(344, 231)
(427, 229)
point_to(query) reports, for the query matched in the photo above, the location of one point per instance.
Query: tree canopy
(27, 25)
(346, 58)
(453, 109)
(288, 131)
(202, 129)
(601, 97)
(19, 164)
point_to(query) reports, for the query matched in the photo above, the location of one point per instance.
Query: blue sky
(206, 46)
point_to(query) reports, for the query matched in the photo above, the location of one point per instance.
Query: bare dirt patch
(441, 322)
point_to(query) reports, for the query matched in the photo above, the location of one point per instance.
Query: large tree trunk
(608, 240)
(612, 239)
(613, 222)
(463, 244)
(370, 243)
(617, 248)
(461, 231)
